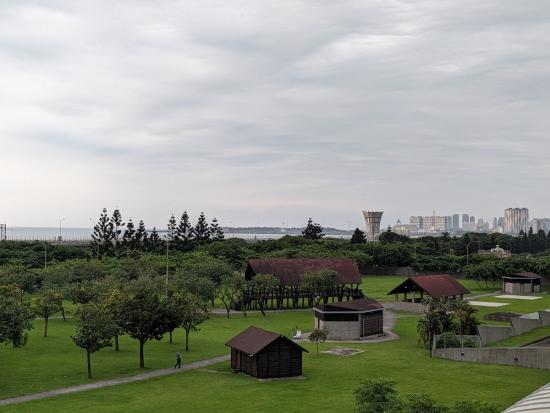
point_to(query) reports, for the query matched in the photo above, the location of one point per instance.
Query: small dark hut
(436, 286)
(265, 354)
(351, 320)
(521, 283)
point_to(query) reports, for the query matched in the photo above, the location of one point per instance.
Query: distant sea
(80, 234)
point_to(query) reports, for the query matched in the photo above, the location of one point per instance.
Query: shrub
(448, 340)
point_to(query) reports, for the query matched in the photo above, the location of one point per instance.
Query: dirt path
(114, 382)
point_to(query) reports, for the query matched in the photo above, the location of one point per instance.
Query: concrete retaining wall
(522, 325)
(533, 357)
(544, 318)
(490, 334)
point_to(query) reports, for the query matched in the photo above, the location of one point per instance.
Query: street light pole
(60, 238)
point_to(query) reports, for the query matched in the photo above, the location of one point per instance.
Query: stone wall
(341, 330)
(533, 357)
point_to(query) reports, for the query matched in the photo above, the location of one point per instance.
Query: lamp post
(60, 238)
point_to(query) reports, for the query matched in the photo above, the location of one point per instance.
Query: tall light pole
(60, 238)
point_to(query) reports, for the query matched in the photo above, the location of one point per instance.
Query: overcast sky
(263, 112)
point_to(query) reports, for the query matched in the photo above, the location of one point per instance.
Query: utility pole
(45, 254)
(166, 277)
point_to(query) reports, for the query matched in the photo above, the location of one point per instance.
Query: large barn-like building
(351, 320)
(521, 283)
(289, 273)
(265, 354)
(414, 289)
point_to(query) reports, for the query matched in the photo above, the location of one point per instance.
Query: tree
(358, 237)
(377, 396)
(202, 230)
(312, 230)
(463, 318)
(95, 331)
(319, 335)
(321, 284)
(113, 305)
(216, 231)
(192, 314)
(474, 406)
(201, 287)
(420, 402)
(45, 304)
(103, 235)
(140, 236)
(171, 229)
(15, 316)
(128, 237)
(142, 314)
(154, 242)
(230, 291)
(436, 320)
(263, 285)
(184, 234)
(117, 225)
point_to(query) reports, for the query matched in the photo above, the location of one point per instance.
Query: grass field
(524, 338)
(329, 382)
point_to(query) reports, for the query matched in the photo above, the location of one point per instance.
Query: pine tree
(103, 235)
(154, 242)
(128, 237)
(139, 240)
(185, 234)
(116, 221)
(358, 237)
(202, 230)
(313, 230)
(216, 231)
(171, 229)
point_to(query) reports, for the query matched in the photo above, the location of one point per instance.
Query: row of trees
(113, 237)
(380, 396)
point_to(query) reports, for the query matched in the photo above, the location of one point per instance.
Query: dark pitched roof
(254, 339)
(363, 304)
(436, 286)
(290, 271)
(525, 274)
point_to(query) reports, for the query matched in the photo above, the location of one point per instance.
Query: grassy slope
(524, 338)
(330, 381)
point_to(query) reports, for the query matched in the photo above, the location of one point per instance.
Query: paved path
(114, 382)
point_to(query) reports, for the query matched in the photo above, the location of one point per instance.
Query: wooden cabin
(265, 354)
(414, 289)
(289, 272)
(521, 283)
(351, 320)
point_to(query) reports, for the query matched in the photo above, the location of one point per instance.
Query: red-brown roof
(290, 271)
(363, 304)
(254, 339)
(526, 274)
(436, 286)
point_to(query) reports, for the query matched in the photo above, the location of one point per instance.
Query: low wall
(544, 318)
(522, 325)
(490, 334)
(533, 357)
(408, 307)
(341, 330)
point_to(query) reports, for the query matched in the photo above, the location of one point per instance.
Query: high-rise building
(516, 220)
(418, 221)
(456, 222)
(472, 226)
(372, 221)
(435, 223)
(541, 223)
(495, 223)
(465, 222)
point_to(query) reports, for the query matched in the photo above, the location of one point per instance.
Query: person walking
(178, 360)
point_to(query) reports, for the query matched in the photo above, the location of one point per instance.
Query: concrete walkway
(114, 382)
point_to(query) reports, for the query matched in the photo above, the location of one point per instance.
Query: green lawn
(514, 306)
(329, 382)
(55, 361)
(524, 338)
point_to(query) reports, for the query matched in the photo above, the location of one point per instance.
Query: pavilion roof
(436, 286)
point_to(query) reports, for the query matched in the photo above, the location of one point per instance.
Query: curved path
(114, 382)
